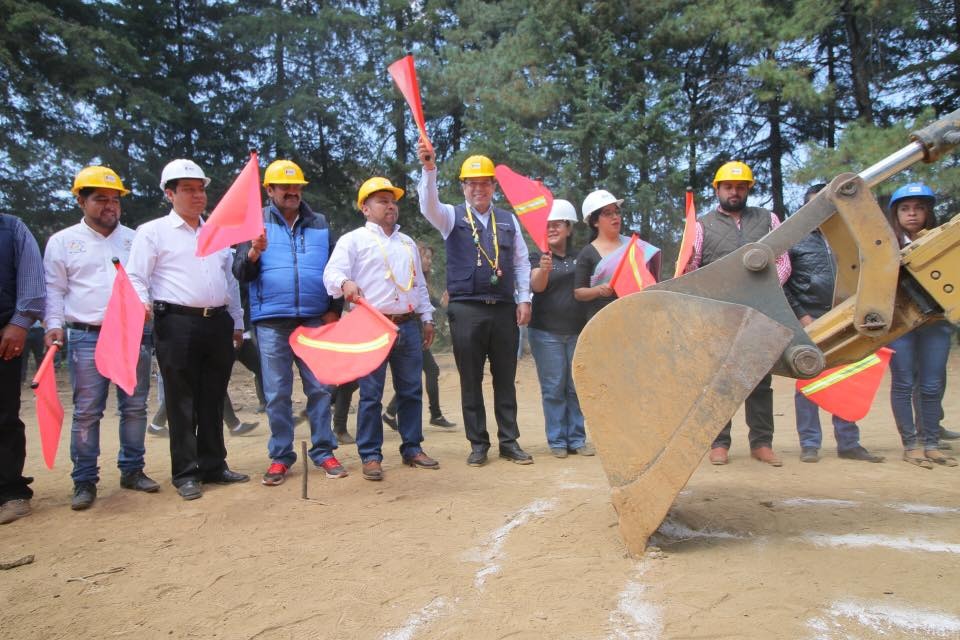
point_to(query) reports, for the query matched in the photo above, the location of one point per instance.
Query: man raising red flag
(237, 217)
(404, 74)
(80, 276)
(382, 265)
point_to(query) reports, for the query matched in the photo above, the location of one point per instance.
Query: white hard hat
(562, 210)
(181, 168)
(598, 200)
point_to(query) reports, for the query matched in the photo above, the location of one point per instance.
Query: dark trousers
(13, 441)
(759, 410)
(195, 355)
(249, 356)
(431, 372)
(480, 332)
(341, 407)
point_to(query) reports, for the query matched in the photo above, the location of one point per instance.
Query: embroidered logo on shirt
(76, 246)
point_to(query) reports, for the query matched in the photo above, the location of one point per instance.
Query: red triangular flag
(118, 347)
(348, 349)
(49, 409)
(631, 274)
(404, 74)
(848, 391)
(531, 201)
(238, 216)
(689, 231)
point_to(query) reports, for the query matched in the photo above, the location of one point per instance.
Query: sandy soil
(831, 550)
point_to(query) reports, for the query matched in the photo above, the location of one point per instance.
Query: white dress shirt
(164, 266)
(79, 271)
(444, 216)
(363, 256)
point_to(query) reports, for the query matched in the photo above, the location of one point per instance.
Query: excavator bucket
(651, 436)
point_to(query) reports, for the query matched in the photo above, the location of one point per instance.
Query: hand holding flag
(404, 74)
(689, 231)
(531, 201)
(49, 409)
(118, 345)
(238, 217)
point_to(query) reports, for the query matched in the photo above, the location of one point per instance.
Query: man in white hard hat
(198, 322)
(285, 270)
(721, 232)
(488, 281)
(79, 275)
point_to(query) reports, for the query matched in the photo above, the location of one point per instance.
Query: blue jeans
(846, 433)
(89, 401)
(276, 363)
(553, 354)
(918, 376)
(406, 363)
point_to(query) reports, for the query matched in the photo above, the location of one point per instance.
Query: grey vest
(722, 237)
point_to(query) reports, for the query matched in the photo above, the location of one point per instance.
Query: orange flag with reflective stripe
(689, 231)
(531, 201)
(348, 349)
(238, 217)
(118, 346)
(848, 391)
(49, 409)
(404, 74)
(632, 274)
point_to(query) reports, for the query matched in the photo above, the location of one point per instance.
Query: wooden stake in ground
(306, 469)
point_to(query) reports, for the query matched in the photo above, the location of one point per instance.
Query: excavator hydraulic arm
(659, 373)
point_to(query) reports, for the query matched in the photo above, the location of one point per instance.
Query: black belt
(480, 300)
(79, 326)
(401, 317)
(204, 312)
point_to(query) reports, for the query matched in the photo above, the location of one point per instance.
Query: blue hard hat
(912, 190)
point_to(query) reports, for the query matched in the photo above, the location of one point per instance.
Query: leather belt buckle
(209, 312)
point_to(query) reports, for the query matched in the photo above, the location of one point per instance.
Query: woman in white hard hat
(598, 261)
(555, 324)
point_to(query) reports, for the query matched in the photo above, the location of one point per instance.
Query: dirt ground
(838, 549)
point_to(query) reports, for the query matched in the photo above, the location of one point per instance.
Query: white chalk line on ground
(862, 540)
(676, 531)
(434, 609)
(881, 618)
(490, 551)
(812, 502)
(635, 618)
(906, 507)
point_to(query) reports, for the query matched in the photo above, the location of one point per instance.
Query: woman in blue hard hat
(918, 368)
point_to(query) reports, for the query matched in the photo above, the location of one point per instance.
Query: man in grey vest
(487, 263)
(720, 232)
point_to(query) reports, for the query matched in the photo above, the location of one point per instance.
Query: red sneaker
(333, 468)
(275, 474)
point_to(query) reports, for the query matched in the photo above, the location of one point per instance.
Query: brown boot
(372, 470)
(718, 455)
(938, 457)
(766, 454)
(917, 457)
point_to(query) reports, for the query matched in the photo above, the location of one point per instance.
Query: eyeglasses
(610, 213)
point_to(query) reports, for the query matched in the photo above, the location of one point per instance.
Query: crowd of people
(299, 272)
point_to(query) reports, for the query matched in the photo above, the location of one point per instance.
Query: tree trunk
(859, 66)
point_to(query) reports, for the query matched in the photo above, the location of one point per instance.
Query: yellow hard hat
(377, 184)
(283, 172)
(98, 177)
(476, 167)
(734, 171)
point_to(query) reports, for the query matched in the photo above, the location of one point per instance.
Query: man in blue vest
(488, 281)
(22, 294)
(285, 270)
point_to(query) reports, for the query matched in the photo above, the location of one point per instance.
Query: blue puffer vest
(467, 281)
(291, 269)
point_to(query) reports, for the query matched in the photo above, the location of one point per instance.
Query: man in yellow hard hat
(382, 265)
(488, 280)
(79, 277)
(285, 267)
(720, 232)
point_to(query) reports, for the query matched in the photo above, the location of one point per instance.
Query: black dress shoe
(227, 476)
(947, 434)
(242, 428)
(190, 490)
(478, 456)
(859, 453)
(421, 460)
(84, 493)
(138, 481)
(390, 421)
(440, 421)
(516, 454)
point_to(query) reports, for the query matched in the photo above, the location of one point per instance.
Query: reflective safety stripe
(530, 205)
(344, 347)
(840, 375)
